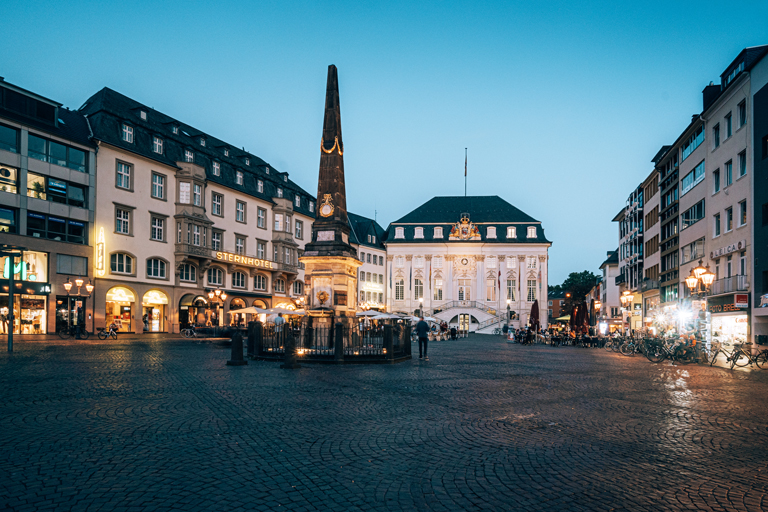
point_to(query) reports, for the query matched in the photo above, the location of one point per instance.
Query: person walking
(422, 331)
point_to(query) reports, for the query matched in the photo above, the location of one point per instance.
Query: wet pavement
(164, 424)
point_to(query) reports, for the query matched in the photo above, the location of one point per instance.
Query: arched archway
(154, 310)
(119, 307)
(192, 310)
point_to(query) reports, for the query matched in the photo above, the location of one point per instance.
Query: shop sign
(728, 303)
(728, 249)
(19, 269)
(101, 268)
(742, 300)
(243, 260)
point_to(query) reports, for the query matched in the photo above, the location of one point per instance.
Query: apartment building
(649, 286)
(630, 220)
(367, 237)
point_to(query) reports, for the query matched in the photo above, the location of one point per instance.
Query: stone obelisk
(330, 262)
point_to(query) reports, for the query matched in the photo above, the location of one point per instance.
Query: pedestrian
(422, 331)
(279, 321)
(505, 330)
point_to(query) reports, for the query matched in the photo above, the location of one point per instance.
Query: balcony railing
(620, 279)
(194, 250)
(729, 284)
(648, 284)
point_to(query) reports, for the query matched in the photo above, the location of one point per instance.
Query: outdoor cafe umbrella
(275, 311)
(252, 310)
(573, 316)
(535, 316)
(592, 312)
(584, 324)
(367, 313)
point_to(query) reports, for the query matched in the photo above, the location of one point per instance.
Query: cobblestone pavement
(140, 426)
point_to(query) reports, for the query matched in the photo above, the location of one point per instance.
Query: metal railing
(738, 283)
(648, 285)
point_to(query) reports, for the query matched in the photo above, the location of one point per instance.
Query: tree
(575, 287)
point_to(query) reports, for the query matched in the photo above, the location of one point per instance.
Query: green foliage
(578, 284)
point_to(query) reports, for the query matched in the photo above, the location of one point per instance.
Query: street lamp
(699, 274)
(79, 283)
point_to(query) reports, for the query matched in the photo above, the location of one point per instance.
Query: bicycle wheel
(608, 345)
(63, 333)
(655, 354)
(739, 359)
(616, 347)
(627, 349)
(83, 334)
(114, 334)
(103, 335)
(762, 359)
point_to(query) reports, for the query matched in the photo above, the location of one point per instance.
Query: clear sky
(561, 104)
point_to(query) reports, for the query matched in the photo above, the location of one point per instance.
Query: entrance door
(464, 322)
(465, 289)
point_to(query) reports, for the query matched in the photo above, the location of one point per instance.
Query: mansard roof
(107, 110)
(362, 227)
(483, 211)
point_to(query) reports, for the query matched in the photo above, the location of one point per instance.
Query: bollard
(251, 339)
(339, 342)
(237, 351)
(289, 360)
(388, 343)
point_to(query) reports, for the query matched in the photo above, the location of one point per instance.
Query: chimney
(710, 93)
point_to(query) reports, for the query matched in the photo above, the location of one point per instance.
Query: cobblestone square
(484, 425)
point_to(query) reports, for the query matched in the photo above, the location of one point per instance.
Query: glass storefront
(30, 309)
(29, 314)
(193, 310)
(235, 318)
(70, 311)
(119, 308)
(730, 328)
(154, 306)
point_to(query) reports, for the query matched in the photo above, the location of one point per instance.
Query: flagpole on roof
(465, 172)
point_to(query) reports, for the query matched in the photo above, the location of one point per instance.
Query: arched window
(362, 296)
(418, 289)
(399, 289)
(438, 233)
(121, 263)
(297, 287)
(418, 233)
(280, 285)
(399, 233)
(491, 232)
(532, 232)
(188, 273)
(215, 276)
(511, 232)
(260, 282)
(238, 280)
(156, 268)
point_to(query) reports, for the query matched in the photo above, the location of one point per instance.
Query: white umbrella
(253, 310)
(367, 313)
(430, 319)
(275, 311)
(386, 316)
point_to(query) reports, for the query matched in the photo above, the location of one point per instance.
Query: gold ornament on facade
(326, 207)
(464, 230)
(336, 145)
(322, 297)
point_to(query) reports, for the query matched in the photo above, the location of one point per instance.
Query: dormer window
(216, 169)
(437, 233)
(374, 238)
(369, 238)
(297, 202)
(143, 115)
(511, 232)
(226, 152)
(189, 156)
(285, 178)
(311, 206)
(399, 233)
(266, 170)
(157, 145)
(260, 186)
(279, 192)
(491, 233)
(531, 232)
(418, 233)
(247, 161)
(128, 133)
(175, 130)
(239, 177)
(202, 141)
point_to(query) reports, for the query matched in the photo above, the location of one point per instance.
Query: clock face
(464, 261)
(326, 210)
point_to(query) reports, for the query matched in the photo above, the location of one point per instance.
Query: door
(464, 322)
(465, 289)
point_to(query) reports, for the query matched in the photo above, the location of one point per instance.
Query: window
(216, 200)
(742, 113)
(261, 249)
(74, 265)
(239, 177)
(418, 233)
(437, 261)
(716, 181)
(8, 221)
(261, 218)
(692, 215)
(197, 195)
(50, 189)
(127, 134)
(188, 273)
(280, 285)
(362, 296)
(531, 232)
(226, 152)
(369, 238)
(157, 145)
(175, 130)
(247, 161)
(743, 163)
(123, 176)
(418, 262)
(297, 201)
(299, 229)
(728, 125)
(239, 245)
(418, 289)
(369, 258)
(693, 178)
(156, 268)
(216, 240)
(399, 262)
(511, 232)
(47, 226)
(285, 178)
(490, 290)
(728, 219)
(260, 186)
(399, 289)
(743, 263)
(692, 251)
(274, 253)
(121, 263)
(36, 185)
(122, 221)
(728, 173)
(438, 289)
(55, 153)
(717, 225)
(202, 141)
(437, 233)
(9, 139)
(690, 145)
(531, 290)
(511, 289)
(532, 262)
(279, 192)
(189, 156)
(381, 278)
(238, 280)
(216, 168)
(716, 135)
(399, 233)
(260, 282)
(266, 169)
(742, 213)
(184, 188)
(490, 262)
(157, 229)
(158, 186)
(240, 211)
(178, 232)
(491, 233)
(297, 287)
(362, 257)
(215, 276)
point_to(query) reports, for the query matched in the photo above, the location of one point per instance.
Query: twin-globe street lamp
(220, 297)
(699, 274)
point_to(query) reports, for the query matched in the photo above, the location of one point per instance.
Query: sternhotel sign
(243, 260)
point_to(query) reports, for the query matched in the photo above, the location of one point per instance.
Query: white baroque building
(467, 261)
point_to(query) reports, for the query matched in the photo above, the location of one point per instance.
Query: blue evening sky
(561, 104)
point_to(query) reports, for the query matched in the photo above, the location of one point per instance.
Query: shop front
(728, 318)
(193, 310)
(154, 306)
(234, 317)
(70, 312)
(31, 290)
(119, 308)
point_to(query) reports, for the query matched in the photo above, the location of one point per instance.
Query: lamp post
(216, 297)
(79, 283)
(699, 276)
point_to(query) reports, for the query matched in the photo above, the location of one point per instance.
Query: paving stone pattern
(166, 425)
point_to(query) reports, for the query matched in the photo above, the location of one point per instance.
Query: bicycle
(105, 333)
(742, 356)
(658, 351)
(632, 347)
(497, 331)
(73, 331)
(191, 332)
